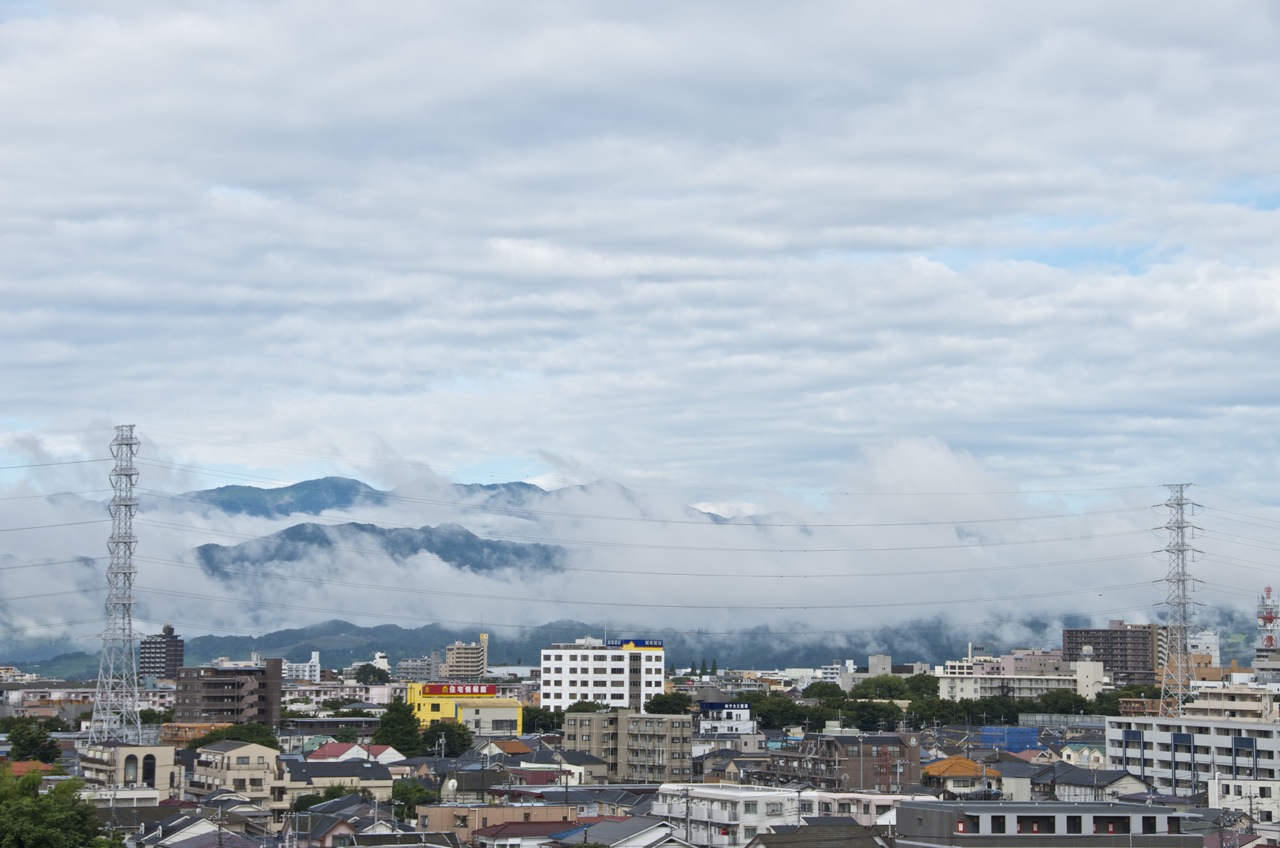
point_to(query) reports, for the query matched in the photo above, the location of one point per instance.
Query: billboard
(634, 644)
(469, 689)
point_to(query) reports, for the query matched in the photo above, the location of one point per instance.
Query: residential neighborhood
(630, 751)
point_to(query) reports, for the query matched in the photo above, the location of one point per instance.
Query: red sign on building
(472, 689)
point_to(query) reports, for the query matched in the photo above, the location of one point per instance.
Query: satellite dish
(451, 786)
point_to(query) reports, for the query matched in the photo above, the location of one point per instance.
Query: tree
(56, 819)
(922, 686)
(305, 802)
(400, 729)
(824, 691)
(715, 669)
(252, 731)
(585, 707)
(149, 716)
(406, 794)
(457, 737)
(677, 703)
(702, 671)
(370, 673)
(30, 741)
(883, 687)
(538, 719)
(349, 735)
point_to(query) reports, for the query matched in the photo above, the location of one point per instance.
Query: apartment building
(1179, 755)
(467, 661)
(730, 816)
(309, 670)
(161, 655)
(636, 747)
(115, 765)
(246, 768)
(1022, 674)
(613, 672)
(884, 762)
(1131, 653)
(420, 669)
(1042, 824)
(230, 691)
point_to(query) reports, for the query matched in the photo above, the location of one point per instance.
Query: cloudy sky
(835, 259)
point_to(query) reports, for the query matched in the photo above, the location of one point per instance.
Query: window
(749, 807)
(1075, 824)
(773, 808)
(242, 761)
(806, 807)
(1264, 791)
(262, 760)
(435, 708)
(997, 824)
(748, 833)
(586, 737)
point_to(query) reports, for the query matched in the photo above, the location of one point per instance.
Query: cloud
(728, 249)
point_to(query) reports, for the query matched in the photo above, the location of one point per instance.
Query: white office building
(612, 672)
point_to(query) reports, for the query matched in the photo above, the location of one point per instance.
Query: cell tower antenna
(115, 706)
(1175, 688)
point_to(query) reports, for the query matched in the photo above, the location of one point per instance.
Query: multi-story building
(1259, 798)
(474, 704)
(469, 661)
(114, 765)
(613, 672)
(1022, 674)
(309, 670)
(636, 747)
(419, 669)
(1040, 824)
(884, 762)
(1131, 653)
(246, 768)
(227, 691)
(730, 816)
(161, 655)
(1178, 755)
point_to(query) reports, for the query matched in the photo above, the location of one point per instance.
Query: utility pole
(115, 703)
(1176, 684)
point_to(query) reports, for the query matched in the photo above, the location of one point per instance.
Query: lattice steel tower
(115, 706)
(1176, 684)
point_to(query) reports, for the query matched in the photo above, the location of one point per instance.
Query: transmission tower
(115, 706)
(1176, 685)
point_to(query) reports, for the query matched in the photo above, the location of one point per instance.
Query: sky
(829, 260)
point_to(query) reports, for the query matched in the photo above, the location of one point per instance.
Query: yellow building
(474, 704)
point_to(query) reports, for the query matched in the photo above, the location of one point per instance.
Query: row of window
(649, 657)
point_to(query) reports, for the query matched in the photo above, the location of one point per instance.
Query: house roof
(512, 746)
(848, 835)
(958, 767)
(531, 828)
(224, 746)
(306, 771)
(21, 767)
(612, 831)
(333, 750)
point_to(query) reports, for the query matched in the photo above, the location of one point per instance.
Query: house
(1090, 755)
(464, 821)
(302, 777)
(341, 751)
(244, 767)
(960, 776)
(517, 834)
(633, 832)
